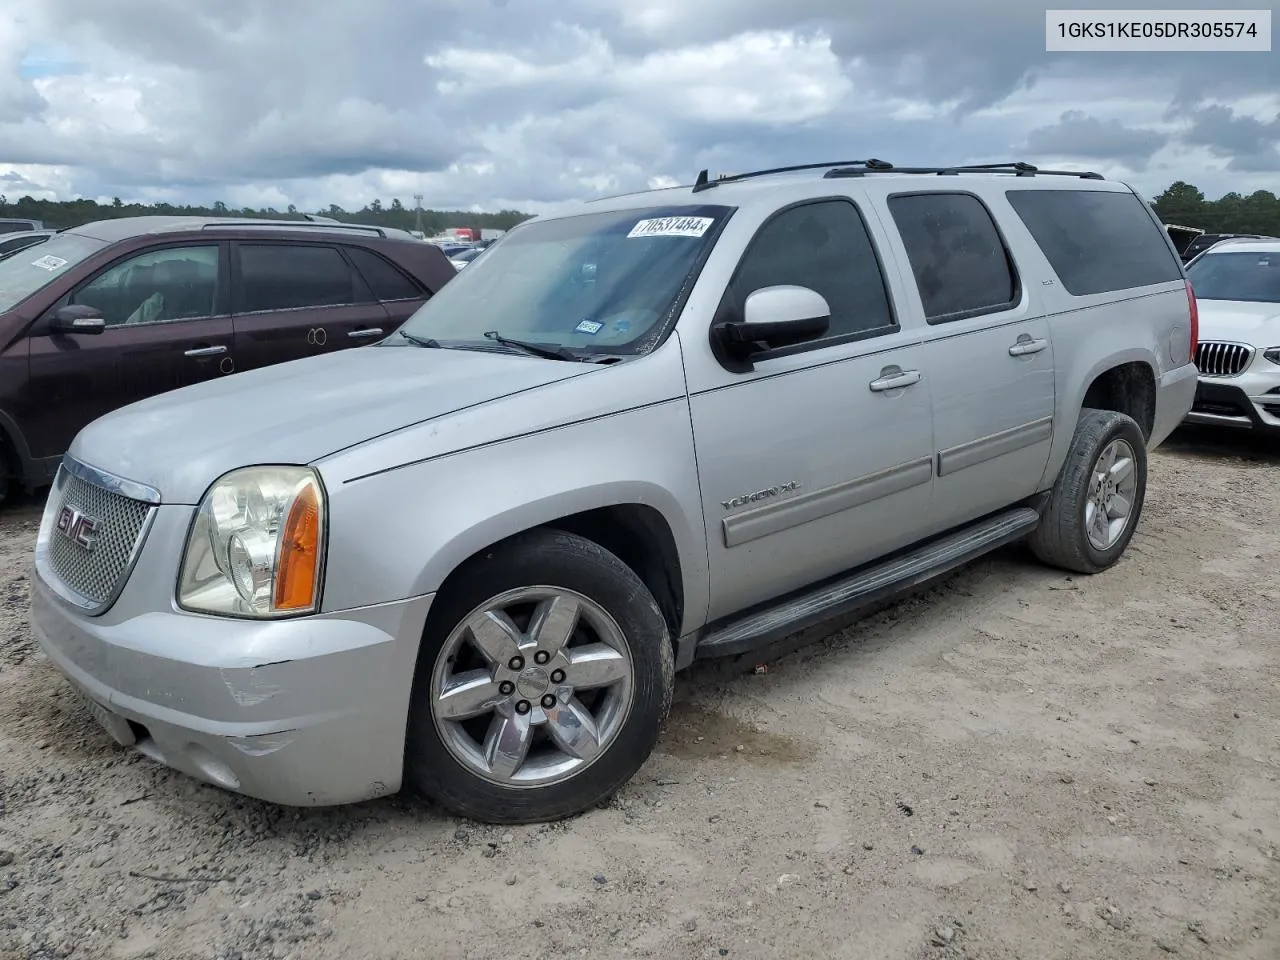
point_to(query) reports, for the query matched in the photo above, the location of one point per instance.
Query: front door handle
(361, 334)
(205, 351)
(1026, 346)
(894, 380)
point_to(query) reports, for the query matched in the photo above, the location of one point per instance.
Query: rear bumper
(1175, 393)
(1243, 403)
(305, 712)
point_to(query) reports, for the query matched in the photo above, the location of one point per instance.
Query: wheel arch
(632, 527)
(1124, 381)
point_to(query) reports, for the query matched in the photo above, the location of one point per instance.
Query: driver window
(823, 246)
(176, 283)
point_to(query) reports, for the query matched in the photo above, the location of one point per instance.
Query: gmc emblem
(78, 527)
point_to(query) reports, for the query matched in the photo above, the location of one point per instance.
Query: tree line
(1185, 205)
(1182, 203)
(60, 214)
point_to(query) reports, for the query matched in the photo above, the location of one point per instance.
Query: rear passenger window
(823, 246)
(289, 276)
(386, 280)
(1096, 241)
(961, 266)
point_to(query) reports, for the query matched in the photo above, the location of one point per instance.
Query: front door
(990, 355)
(167, 327)
(296, 300)
(814, 462)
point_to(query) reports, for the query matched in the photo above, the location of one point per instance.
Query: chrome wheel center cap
(533, 682)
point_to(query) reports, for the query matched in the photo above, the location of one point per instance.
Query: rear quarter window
(388, 282)
(1097, 241)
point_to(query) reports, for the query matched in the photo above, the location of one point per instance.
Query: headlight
(1272, 354)
(256, 548)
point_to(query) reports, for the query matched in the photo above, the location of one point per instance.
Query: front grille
(1217, 358)
(93, 573)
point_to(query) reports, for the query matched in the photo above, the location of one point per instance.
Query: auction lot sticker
(671, 227)
(49, 263)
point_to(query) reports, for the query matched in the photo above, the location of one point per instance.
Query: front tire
(1096, 502)
(545, 673)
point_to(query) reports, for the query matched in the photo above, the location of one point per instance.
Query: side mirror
(774, 317)
(77, 318)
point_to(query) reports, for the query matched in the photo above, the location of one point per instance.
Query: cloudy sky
(517, 104)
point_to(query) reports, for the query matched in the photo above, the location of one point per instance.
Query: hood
(297, 412)
(1240, 321)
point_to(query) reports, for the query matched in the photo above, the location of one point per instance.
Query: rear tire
(1097, 500)
(545, 673)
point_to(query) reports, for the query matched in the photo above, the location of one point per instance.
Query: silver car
(637, 432)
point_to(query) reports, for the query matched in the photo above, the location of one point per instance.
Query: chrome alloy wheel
(1111, 495)
(532, 686)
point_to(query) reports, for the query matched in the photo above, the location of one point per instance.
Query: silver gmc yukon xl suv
(640, 431)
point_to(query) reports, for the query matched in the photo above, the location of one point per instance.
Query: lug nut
(548, 701)
(506, 688)
(517, 663)
(541, 657)
(557, 676)
(523, 707)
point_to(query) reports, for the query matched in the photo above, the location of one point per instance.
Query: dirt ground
(1015, 764)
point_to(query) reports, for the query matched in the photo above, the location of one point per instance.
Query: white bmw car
(1237, 288)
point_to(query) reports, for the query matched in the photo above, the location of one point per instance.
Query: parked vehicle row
(111, 312)
(654, 428)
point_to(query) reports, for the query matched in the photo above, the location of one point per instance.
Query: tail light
(1195, 322)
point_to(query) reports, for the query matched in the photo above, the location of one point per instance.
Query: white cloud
(490, 103)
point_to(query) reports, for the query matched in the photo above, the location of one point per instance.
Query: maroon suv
(115, 311)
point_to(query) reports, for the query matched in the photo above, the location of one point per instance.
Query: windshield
(27, 271)
(1254, 277)
(596, 283)
(466, 256)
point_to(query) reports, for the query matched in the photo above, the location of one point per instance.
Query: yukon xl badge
(759, 495)
(78, 527)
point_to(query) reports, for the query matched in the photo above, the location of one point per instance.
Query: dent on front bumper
(1250, 401)
(298, 712)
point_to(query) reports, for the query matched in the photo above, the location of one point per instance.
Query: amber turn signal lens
(298, 574)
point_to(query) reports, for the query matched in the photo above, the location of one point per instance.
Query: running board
(866, 587)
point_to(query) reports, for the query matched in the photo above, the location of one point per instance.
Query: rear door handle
(361, 334)
(205, 351)
(1026, 346)
(894, 381)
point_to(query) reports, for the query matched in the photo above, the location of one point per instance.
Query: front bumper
(304, 712)
(1250, 401)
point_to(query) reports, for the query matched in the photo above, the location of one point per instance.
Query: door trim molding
(782, 515)
(973, 452)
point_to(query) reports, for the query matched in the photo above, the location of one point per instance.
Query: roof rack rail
(1018, 168)
(294, 225)
(705, 182)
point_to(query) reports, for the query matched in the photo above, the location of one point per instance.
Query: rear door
(296, 299)
(989, 353)
(398, 293)
(168, 326)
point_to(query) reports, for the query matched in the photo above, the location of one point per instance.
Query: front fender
(401, 532)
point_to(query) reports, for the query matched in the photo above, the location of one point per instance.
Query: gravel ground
(1015, 764)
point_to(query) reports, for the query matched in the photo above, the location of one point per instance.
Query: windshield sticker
(591, 327)
(49, 263)
(671, 227)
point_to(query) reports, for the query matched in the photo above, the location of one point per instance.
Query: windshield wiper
(534, 349)
(420, 341)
